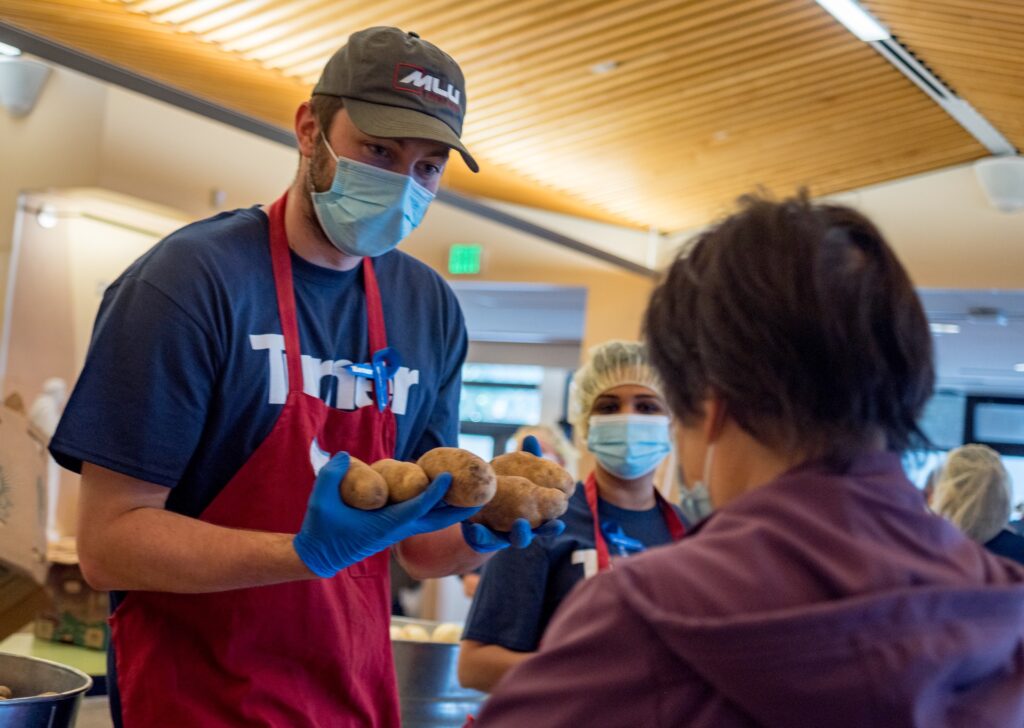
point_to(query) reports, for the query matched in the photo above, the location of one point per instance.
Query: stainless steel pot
(428, 685)
(30, 676)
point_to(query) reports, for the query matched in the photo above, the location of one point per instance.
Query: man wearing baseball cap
(234, 370)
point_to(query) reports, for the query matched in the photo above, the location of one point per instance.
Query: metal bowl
(428, 683)
(30, 676)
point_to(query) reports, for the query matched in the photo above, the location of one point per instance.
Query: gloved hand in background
(335, 535)
(484, 540)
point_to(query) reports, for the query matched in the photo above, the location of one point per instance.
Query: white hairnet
(973, 491)
(609, 365)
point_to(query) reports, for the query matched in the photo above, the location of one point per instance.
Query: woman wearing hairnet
(617, 406)
(973, 491)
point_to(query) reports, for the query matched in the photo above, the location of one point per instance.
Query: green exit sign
(464, 260)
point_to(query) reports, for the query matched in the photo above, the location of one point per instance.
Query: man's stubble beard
(318, 178)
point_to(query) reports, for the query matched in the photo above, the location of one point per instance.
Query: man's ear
(307, 130)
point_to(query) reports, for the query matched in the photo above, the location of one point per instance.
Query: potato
(446, 632)
(542, 472)
(473, 481)
(518, 497)
(5, 692)
(363, 488)
(415, 632)
(405, 480)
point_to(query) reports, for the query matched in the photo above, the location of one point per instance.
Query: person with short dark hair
(820, 592)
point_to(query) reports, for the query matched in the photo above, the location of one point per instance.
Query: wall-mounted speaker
(1002, 178)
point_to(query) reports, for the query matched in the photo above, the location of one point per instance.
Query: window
(496, 400)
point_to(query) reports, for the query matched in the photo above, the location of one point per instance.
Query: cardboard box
(23, 566)
(77, 614)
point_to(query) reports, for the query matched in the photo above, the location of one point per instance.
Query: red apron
(676, 529)
(306, 653)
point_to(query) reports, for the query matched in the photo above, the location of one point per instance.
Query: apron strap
(673, 522)
(374, 309)
(281, 261)
(280, 258)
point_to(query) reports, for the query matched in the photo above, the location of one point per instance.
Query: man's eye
(378, 151)
(650, 408)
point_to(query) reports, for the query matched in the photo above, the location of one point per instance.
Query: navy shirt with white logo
(521, 588)
(185, 374)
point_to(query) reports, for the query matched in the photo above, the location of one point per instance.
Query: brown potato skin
(517, 497)
(542, 472)
(405, 480)
(473, 481)
(363, 488)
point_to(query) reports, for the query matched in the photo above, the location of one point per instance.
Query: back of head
(609, 365)
(973, 491)
(799, 317)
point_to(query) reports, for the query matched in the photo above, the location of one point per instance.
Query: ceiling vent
(965, 114)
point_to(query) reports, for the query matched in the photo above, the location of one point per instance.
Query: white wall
(55, 146)
(940, 226)
(161, 153)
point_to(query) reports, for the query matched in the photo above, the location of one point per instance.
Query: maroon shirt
(818, 599)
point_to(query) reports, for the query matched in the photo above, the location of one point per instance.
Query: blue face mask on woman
(629, 446)
(369, 211)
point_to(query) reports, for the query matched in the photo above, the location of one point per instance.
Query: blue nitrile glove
(531, 445)
(335, 535)
(483, 540)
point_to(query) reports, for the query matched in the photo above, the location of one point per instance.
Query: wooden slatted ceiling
(976, 46)
(710, 98)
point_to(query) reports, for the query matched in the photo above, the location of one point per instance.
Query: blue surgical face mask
(369, 211)
(629, 446)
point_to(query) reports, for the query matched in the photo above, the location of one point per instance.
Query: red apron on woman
(305, 653)
(673, 522)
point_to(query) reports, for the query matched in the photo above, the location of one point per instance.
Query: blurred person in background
(617, 405)
(797, 359)
(973, 490)
(554, 445)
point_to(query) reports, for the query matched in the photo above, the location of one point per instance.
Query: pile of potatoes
(448, 632)
(7, 694)
(515, 485)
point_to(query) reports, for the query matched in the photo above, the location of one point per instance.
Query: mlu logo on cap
(420, 81)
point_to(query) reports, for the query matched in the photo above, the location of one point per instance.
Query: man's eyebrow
(441, 150)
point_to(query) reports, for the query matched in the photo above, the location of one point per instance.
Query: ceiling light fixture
(856, 19)
(604, 67)
(944, 328)
(46, 216)
(1019, 367)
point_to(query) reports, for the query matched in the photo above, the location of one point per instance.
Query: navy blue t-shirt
(521, 588)
(1007, 544)
(185, 373)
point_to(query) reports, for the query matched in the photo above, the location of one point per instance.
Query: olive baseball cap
(396, 84)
